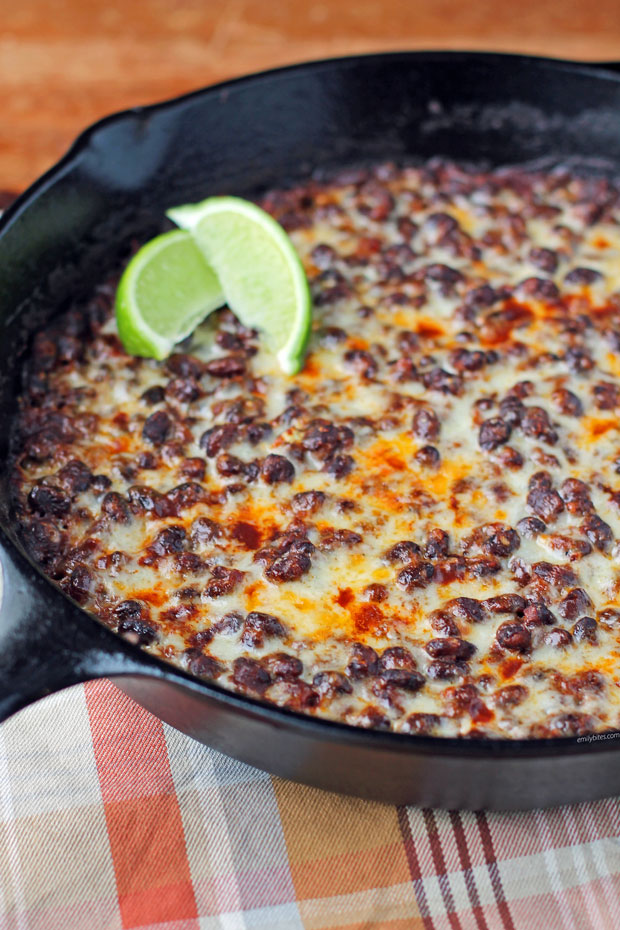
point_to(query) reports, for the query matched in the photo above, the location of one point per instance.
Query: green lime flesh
(167, 289)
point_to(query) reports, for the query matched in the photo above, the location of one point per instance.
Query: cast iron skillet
(240, 137)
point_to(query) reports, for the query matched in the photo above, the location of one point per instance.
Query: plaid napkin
(111, 819)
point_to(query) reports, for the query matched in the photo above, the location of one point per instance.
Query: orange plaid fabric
(110, 820)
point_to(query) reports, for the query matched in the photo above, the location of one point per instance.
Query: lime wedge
(166, 290)
(260, 272)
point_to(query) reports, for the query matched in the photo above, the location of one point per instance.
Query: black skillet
(241, 137)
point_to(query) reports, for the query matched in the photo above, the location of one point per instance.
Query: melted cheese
(389, 495)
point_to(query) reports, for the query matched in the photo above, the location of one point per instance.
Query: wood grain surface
(65, 63)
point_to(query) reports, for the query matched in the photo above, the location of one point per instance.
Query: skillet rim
(477, 748)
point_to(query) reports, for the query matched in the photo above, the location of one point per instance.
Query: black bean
(493, 539)
(258, 625)
(530, 527)
(582, 276)
(257, 432)
(249, 675)
(578, 359)
(44, 541)
(505, 603)
(536, 423)
(482, 566)
(289, 567)
(567, 402)
(362, 362)
(426, 424)
(324, 438)
(493, 433)
(100, 483)
(229, 366)
(569, 725)
(147, 461)
(363, 661)
(465, 608)
(227, 625)
(437, 379)
(512, 410)
(282, 666)
(339, 465)
(47, 499)
(419, 724)
(511, 695)
(170, 539)
(228, 341)
(417, 575)
(443, 275)
(546, 503)
(609, 617)
(559, 576)
(467, 359)
(598, 532)
(437, 225)
(331, 683)
(228, 465)
(396, 657)
(558, 637)
(217, 438)
(545, 259)
(437, 543)
(480, 297)
(428, 457)
(154, 395)
(537, 289)
(185, 390)
(449, 647)
(444, 624)
(297, 695)
(576, 496)
(447, 669)
(75, 476)
(574, 604)
(403, 678)
(204, 666)
(407, 341)
(157, 428)
(79, 583)
(185, 366)
(375, 592)
(585, 630)
(514, 636)
(537, 614)
(323, 255)
(133, 622)
(223, 581)
(116, 507)
(334, 539)
(277, 468)
(204, 530)
(606, 395)
(307, 502)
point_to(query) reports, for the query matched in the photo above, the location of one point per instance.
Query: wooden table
(64, 63)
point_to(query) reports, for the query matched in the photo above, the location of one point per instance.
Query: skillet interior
(243, 137)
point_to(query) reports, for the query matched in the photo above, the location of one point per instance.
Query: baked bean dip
(418, 532)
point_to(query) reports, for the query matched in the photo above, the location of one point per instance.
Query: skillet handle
(47, 643)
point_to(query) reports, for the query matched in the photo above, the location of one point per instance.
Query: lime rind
(169, 273)
(259, 270)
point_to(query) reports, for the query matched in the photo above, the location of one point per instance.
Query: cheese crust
(419, 531)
